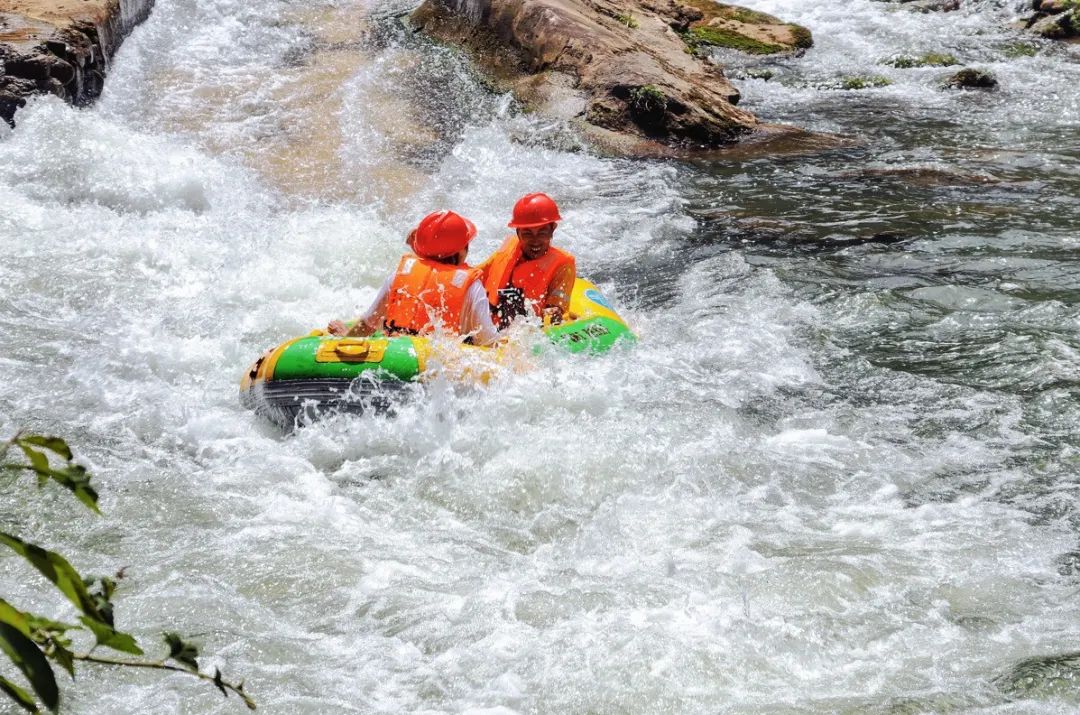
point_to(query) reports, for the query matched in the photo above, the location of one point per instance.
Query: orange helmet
(443, 233)
(534, 210)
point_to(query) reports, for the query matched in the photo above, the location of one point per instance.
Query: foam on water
(750, 510)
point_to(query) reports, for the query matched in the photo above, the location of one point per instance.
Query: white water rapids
(839, 481)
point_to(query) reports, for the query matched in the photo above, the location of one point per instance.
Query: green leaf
(219, 683)
(55, 567)
(14, 618)
(31, 661)
(75, 479)
(47, 625)
(72, 477)
(102, 597)
(181, 651)
(53, 444)
(63, 656)
(111, 638)
(38, 461)
(50, 636)
(19, 695)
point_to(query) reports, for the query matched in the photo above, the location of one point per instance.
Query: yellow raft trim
(268, 366)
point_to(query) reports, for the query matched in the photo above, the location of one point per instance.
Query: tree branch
(220, 683)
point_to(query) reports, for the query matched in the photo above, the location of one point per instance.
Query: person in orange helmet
(431, 286)
(527, 275)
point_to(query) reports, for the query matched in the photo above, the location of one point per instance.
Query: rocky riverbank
(60, 47)
(1054, 19)
(635, 76)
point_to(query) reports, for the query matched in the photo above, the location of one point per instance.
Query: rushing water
(838, 473)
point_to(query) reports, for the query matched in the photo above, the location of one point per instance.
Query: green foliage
(28, 658)
(864, 82)
(647, 99)
(31, 641)
(182, 652)
(629, 20)
(20, 696)
(930, 59)
(38, 450)
(1020, 49)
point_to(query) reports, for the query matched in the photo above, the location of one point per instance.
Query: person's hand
(553, 314)
(337, 327)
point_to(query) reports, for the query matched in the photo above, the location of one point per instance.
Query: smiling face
(536, 241)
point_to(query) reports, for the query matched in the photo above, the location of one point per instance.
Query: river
(838, 473)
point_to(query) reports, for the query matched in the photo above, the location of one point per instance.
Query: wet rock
(1020, 49)
(921, 176)
(864, 82)
(622, 71)
(62, 48)
(739, 28)
(1060, 26)
(1044, 677)
(927, 5)
(933, 5)
(930, 59)
(969, 78)
(1055, 19)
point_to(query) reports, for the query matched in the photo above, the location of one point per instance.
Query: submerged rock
(930, 59)
(864, 82)
(61, 48)
(625, 72)
(928, 5)
(1044, 677)
(969, 78)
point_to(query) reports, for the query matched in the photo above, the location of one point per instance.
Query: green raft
(306, 377)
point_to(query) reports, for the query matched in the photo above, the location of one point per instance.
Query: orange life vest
(505, 269)
(426, 292)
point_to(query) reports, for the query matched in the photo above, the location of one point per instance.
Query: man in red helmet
(527, 275)
(431, 286)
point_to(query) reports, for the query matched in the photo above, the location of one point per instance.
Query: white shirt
(475, 315)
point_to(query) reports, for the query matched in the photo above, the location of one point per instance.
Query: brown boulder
(739, 28)
(621, 70)
(59, 47)
(1055, 20)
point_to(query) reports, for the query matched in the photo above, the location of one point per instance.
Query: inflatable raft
(315, 374)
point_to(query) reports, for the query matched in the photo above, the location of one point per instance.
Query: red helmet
(443, 233)
(534, 210)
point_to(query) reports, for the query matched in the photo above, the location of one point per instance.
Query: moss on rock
(930, 59)
(804, 40)
(970, 78)
(1020, 49)
(739, 28)
(864, 82)
(723, 37)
